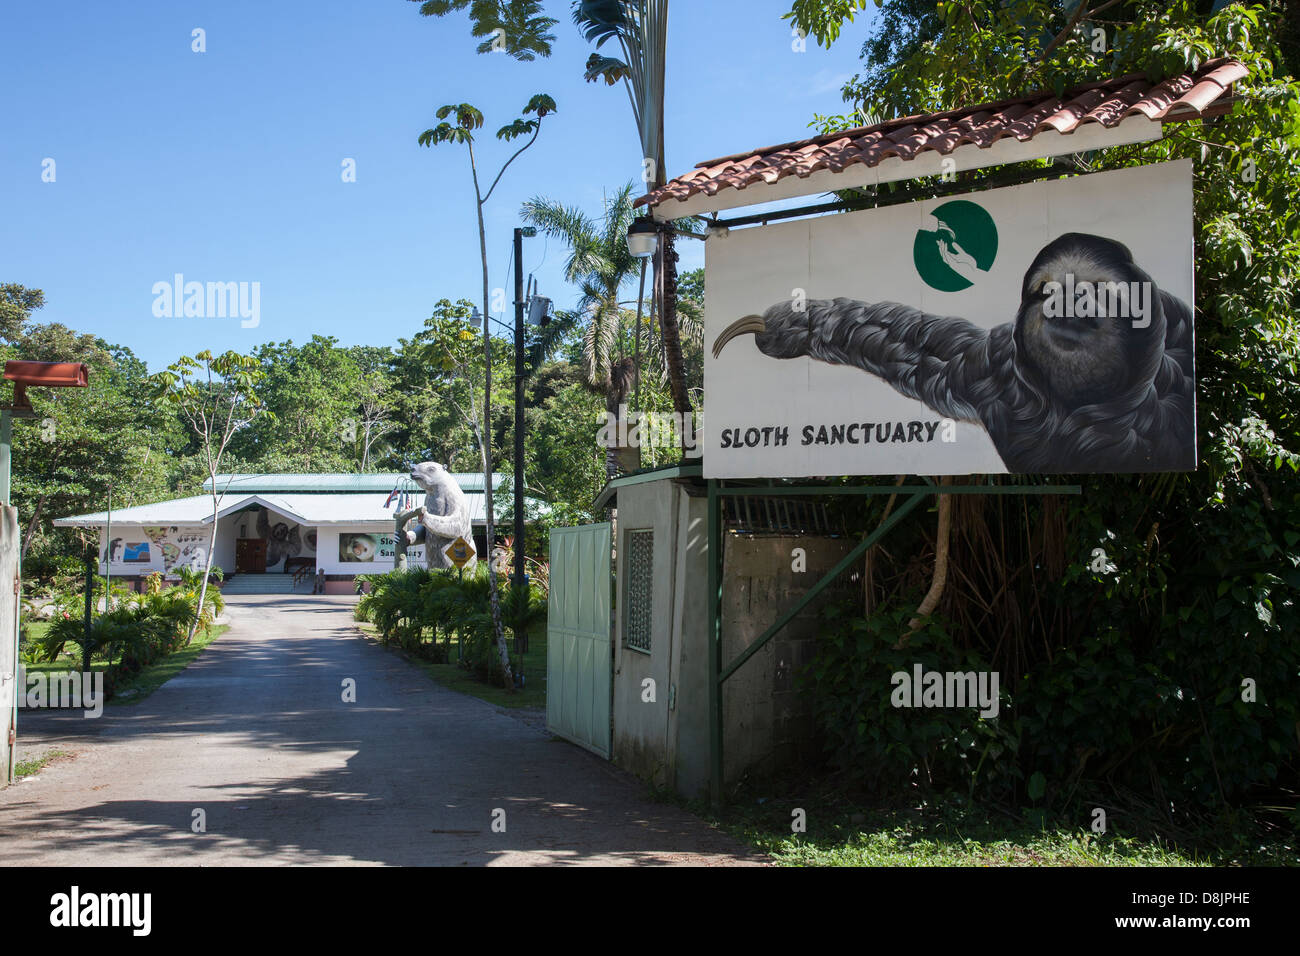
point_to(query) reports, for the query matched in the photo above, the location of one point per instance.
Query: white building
(273, 529)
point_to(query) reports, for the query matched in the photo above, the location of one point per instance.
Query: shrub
(892, 749)
(412, 608)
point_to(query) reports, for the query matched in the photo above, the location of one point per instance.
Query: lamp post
(519, 576)
(642, 243)
(23, 375)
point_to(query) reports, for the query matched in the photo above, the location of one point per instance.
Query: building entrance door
(250, 556)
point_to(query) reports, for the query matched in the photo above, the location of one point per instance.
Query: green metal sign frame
(720, 672)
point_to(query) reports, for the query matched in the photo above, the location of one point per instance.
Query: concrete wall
(690, 713)
(768, 725)
(641, 727)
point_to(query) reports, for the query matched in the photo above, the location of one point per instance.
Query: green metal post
(715, 643)
(90, 597)
(6, 439)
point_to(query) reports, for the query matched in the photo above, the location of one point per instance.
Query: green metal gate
(579, 660)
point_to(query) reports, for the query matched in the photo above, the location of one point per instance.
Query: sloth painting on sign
(1091, 369)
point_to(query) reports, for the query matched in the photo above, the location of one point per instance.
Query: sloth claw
(749, 325)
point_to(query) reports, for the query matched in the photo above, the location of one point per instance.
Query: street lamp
(23, 375)
(38, 375)
(643, 237)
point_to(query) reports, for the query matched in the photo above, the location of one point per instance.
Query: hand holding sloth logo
(962, 243)
(1056, 394)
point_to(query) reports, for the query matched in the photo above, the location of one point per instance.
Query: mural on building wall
(365, 548)
(284, 539)
(165, 549)
(136, 552)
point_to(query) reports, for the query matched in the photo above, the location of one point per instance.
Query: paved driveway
(255, 733)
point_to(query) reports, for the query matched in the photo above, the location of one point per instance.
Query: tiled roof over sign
(1204, 92)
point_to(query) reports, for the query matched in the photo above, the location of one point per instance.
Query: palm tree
(601, 266)
(641, 29)
(517, 28)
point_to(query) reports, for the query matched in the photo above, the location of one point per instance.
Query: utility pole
(519, 413)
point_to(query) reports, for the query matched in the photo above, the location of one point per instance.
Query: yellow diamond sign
(460, 552)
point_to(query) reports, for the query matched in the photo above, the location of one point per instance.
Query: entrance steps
(266, 584)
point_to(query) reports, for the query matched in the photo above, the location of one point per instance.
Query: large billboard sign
(1044, 328)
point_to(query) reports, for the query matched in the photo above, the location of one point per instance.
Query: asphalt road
(256, 735)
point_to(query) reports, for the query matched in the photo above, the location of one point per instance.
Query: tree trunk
(31, 527)
(672, 342)
(207, 568)
(940, 579)
(485, 443)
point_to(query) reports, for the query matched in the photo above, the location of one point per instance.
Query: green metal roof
(337, 483)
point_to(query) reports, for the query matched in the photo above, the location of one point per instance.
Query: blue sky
(225, 166)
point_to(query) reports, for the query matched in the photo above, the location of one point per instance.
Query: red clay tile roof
(1186, 96)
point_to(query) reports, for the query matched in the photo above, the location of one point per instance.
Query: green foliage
(83, 441)
(894, 749)
(17, 303)
(1128, 681)
(137, 630)
(514, 27)
(824, 19)
(412, 608)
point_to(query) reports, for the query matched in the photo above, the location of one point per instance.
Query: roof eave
(1044, 145)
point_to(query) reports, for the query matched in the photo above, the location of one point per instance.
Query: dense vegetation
(134, 631)
(328, 407)
(1164, 678)
(423, 611)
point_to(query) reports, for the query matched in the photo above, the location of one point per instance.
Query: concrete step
(265, 584)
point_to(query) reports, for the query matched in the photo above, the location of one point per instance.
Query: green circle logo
(965, 243)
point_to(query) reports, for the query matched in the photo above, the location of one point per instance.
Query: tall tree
(640, 28)
(84, 440)
(513, 27)
(216, 396)
(601, 266)
(467, 120)
(312, 392)
(17, 303)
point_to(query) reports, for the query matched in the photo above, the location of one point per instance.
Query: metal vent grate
(772, 514)
(640, 589)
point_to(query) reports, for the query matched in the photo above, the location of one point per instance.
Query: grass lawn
(953, 834)
(456, 678)
(69, 660)
(145, 682)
